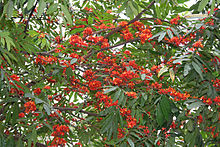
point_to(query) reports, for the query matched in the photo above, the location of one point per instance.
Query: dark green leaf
(197, 69)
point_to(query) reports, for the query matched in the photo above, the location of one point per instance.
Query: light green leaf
(143, 76)
(134, 10)
(172, 74)
(30, 4)
(161, 36)
(202, 4)
(195, 105)
(212, 7)
(123, 6)
(110, 89)
(47, 109)
(42, 6)
(52, 8)
(38, 101)
(90, 20)
(156, 35)
(187, 68)
(170, 34)
(67, 14)
(10, 8)
(73, 61)
(162, 70)
(131, 143)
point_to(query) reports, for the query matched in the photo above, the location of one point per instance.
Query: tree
(109, 73)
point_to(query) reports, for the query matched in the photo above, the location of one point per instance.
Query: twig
(74, 109)
(32, 11)
(120, 27)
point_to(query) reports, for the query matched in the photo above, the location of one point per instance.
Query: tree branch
(74, 109)
(120, 27)
(29, 18)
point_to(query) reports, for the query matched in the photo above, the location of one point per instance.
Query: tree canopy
(109, 73)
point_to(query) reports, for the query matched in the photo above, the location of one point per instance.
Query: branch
(16, 137)
(120, 27)
(74, 109)
(132, 21)
(141, 13)
(154, 19)
(123, 43)
(46, 53)
(32, 11)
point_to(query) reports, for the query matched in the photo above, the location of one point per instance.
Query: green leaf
(90, 20)
(131, 143)
(121, 98)
(190, 125)
(34, 136)
(159, 116)
(134, 10)
(156, 35)
(175, 31)
(67, 14)
(170, 34)
(110, 89)
(123, 6)
(10, 8)
(116, 96)
(186, 69)
(195, 105)
(202, 4)
(161, 36)
(73, 61)
(47, 109)
(212, 7)
(38, 101)
(172, 74)
(162, 70)
(197, 69)
(15, 113)
(52, 8)
(69, 72)
(79, 109)
(158, 11)
(143, 76)
(30, 4)
(42, 6)
(129, 12)
(165, 108)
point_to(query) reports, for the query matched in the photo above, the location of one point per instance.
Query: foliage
(109, 73)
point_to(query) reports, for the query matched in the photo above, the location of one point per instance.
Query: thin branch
(141, 13)
(74, 109)
(120, 27)
(154, 19)
(123, 43)
(29, 18)
(132, 21)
